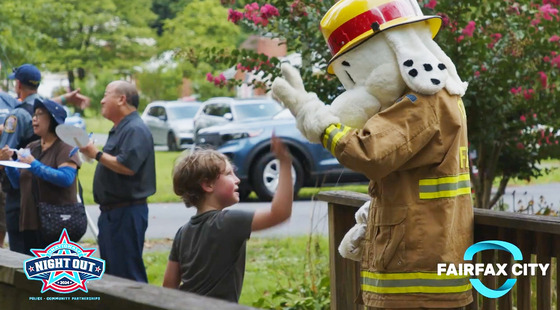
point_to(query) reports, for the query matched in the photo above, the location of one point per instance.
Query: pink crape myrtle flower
(548, 11)
(495, 38)
(555, 61)
(515, 91)
(528, 93)
(469, 29)
(234, 16)
(209, 77)
(553, 2)
(431, 5)
(298, 8)
(544, 79)
(523, 118)
(554, 38)
(268, 11)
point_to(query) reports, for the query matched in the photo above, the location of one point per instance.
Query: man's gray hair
(130, 91)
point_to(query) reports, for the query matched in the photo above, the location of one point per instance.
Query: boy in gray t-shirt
(208, 253)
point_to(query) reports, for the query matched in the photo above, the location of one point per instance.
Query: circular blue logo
(493, 245)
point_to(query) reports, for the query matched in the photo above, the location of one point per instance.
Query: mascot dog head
(386, 46)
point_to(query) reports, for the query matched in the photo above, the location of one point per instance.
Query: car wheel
(171, 143)
(265, 175)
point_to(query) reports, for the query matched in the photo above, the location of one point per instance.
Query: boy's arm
(281, 207)
(172, 278)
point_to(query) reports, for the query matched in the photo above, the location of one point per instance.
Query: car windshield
(181, 112)
(256, 110)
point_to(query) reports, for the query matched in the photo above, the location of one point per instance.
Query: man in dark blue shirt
(124, 178)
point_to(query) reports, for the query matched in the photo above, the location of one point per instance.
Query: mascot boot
(401, 122)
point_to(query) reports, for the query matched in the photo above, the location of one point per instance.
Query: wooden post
(544, 291)
(345, 273)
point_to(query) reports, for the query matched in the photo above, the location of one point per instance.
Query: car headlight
(241, 135)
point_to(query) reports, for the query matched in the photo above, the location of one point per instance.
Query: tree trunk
(482, 183)
(71, 79)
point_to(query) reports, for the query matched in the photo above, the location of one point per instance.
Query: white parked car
(171, 122)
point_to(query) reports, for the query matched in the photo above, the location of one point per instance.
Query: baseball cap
(27, 74)
(55, 109)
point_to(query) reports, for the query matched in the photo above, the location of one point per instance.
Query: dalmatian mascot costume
(402, 123)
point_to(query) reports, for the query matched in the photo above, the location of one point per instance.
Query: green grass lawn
(273, 266)
(98, 124)
(164, 180)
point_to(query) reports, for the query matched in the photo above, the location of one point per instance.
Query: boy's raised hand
(280, 149)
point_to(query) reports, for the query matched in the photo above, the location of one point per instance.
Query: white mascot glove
(351, 245)
(312, 115)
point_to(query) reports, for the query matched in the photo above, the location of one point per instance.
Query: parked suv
(171, 122)
(247, 144)
(221, 110)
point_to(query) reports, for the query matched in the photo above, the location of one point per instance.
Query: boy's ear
(207, 186)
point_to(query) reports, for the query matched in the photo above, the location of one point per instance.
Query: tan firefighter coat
(416, 155)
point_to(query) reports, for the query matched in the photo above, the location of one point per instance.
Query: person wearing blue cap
(52, 168)
(17, 132)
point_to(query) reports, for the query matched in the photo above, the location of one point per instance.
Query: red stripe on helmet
(362, 23)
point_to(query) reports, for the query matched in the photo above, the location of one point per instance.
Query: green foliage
(160, 84)
(94, 87)
(512, 111)
(76, 36)
(165, 10)
(201, 24)
(308, 292)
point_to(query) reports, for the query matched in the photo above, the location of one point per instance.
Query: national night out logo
(64, 266)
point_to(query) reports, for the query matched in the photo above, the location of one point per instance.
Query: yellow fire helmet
(350, 22)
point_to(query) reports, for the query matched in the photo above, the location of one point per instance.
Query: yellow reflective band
(327, 134)
(416, 289)
(408, 275)
(337, 137)
(414, 282)
(445, 187)
(451, 179)
(446, 194)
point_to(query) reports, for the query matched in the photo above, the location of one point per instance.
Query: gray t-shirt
(210, 250)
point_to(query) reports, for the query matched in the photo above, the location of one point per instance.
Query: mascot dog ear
(424, 67)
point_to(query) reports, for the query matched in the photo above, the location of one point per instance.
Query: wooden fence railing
(538, 237)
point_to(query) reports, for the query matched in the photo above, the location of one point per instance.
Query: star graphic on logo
(97, 269)
(31, 268)
(64, 243)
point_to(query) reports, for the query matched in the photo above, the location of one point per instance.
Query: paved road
(166, 218)
(550, 194)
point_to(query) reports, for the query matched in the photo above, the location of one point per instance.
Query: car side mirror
(228, 116)
(163, 117)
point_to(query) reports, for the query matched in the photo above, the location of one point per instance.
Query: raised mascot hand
(312, 115)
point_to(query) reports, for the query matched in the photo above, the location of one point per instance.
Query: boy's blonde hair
(192, 170)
